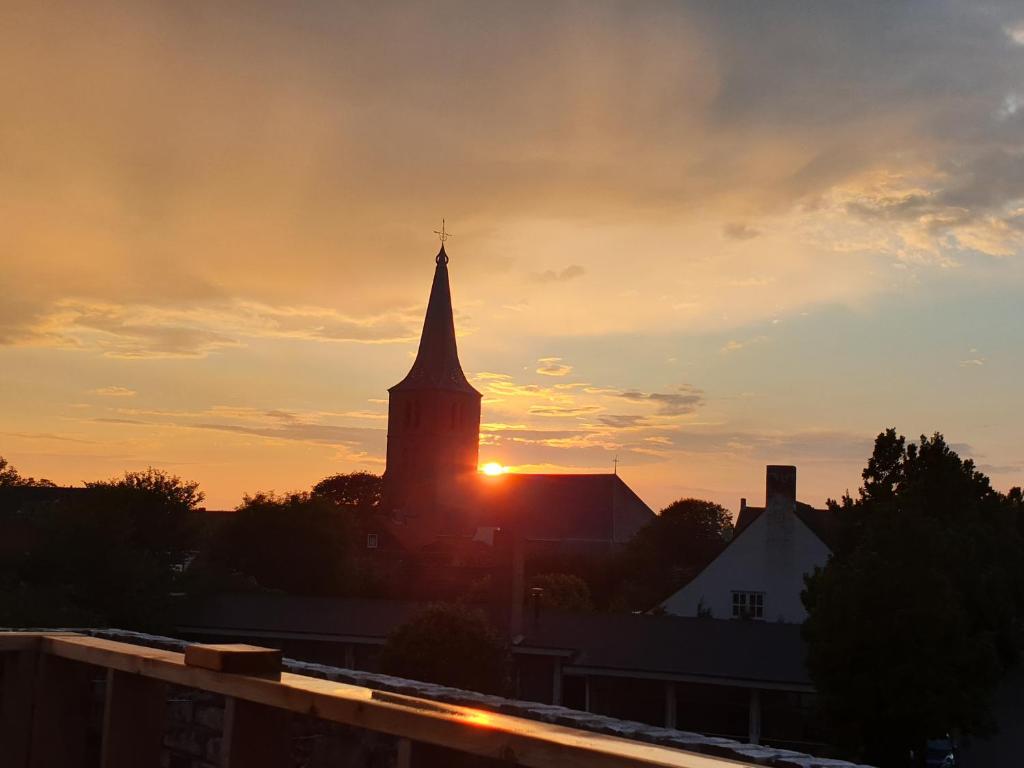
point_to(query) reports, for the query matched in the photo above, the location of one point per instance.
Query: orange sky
(701, 237)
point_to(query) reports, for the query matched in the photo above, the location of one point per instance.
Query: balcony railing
(48, 694)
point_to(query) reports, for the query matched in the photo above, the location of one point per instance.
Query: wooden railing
(47, 694)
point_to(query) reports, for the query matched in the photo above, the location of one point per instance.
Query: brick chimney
(780, 486)
(779, 506)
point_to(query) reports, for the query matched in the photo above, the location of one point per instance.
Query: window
(371, 541)
(748, 605)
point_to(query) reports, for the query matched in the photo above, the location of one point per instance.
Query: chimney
(780, 486)
(743, 505)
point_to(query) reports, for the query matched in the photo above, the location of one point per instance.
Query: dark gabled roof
(822, 522)
(288, 615)
(437, 360)
(747, 651)
(717, 650)
(558, 507)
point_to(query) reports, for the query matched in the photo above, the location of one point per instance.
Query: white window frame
(748, 604)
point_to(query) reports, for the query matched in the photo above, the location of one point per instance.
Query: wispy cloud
(735, 230)
(151, 331)
(735, 345)
(685, 400)
(553, 366)
(560, 276)
(115, 392)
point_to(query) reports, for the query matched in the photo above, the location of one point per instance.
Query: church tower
(433, 428)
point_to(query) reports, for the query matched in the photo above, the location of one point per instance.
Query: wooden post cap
(236, 659)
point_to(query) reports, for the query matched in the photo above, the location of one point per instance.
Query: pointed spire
(437, 361)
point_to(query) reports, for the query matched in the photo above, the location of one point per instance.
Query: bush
(451, 645)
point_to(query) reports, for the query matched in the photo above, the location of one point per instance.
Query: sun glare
(493, 468)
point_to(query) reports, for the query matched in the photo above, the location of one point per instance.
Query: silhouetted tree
(563, 592)
(670, 550)
(451, 645)
(358, 491)
(10, 477)
(918, 613)
(156, 504)
(106, 556)
(299, 543)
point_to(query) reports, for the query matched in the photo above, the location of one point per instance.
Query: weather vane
(441, 233)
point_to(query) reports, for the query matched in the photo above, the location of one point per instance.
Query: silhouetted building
(432, 487)
(433, 430)
(575, 513)
(760, 574)
(743, 680)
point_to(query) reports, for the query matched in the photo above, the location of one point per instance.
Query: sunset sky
(699, 236)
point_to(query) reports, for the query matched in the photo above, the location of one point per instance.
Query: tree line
(911, 624)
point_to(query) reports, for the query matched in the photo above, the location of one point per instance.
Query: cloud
(739, 231)
(623, 421)
(115, 392)
(735, 345)
(553, 366)
(152, 331)
(573, 410)
(275, 424)
(47, 436)
(551, 276)
(684, 401)
(972, 202)
(1015, 32)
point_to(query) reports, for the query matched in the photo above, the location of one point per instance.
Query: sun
(493, 468)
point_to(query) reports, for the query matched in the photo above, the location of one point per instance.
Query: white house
(760, 574)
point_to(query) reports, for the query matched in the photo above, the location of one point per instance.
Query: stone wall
(195, 724)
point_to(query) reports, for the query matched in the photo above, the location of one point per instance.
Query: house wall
(771, 556)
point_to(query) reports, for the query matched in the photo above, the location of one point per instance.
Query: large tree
(918, 613)
(358, 491)
(299, 543)
(670, 550)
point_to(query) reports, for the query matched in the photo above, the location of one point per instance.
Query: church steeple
(437, 361)
(433, 428)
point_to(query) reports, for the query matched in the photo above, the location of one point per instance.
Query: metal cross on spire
(441, 233)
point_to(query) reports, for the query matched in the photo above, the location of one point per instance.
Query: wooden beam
(670, 704)
(235, 659)
(255, 735)
(403, 756)
(133, 720)
(480, 732)
(16, 703)
(28, 641)
(60, 716)
(754, 717)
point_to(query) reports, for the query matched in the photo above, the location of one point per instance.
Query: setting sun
(493, 468)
